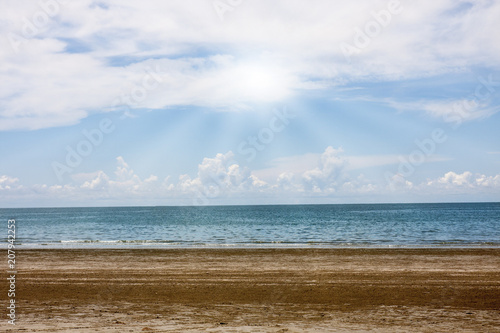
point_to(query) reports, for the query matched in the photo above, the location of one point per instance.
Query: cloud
(221, 179)
(461, 110)
(95, 188)
(310, 173)
(290, 165)
(306, 163)
(319, 174)
(100, 182)
(90, 57)
(451, 111)
(398, 183)
(465, 180)
(7, 183)
(221, 176)
(326, 177)
(125, 183)
(287, 182)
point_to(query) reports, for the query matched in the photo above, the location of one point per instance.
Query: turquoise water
(377, 225)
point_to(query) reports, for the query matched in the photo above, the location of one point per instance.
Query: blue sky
(251, 102)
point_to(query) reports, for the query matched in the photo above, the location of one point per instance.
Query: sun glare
(261, 83)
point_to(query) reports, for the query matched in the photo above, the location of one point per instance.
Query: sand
(260, 290)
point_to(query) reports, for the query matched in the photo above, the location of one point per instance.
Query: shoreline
(278, 249)
(258, 290)
(104, 245)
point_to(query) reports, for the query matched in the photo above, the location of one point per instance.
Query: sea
(266, 226)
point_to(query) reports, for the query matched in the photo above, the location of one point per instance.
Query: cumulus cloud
(287, 182)
(329, 174)
(217, 177)
(321, 174)
(125, 183)
(8, 183)
(221, 175)
(221, 179)
(465, 180)
(398, 182)
(100, 182)
(89, 57)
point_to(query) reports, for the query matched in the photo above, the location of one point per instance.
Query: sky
(217, 102)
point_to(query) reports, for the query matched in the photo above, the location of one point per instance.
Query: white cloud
(454, 179)
(300, 164)
(452, 111)
(289, 165)
(100, 182)
(318, 174)
(220, 179)
(465, 180)
(398, 183)
(89, 54)
(125, 183)
(221, 176)
(287, 182)
(7, 183)
(329, 174)
(463, 110)
(360, 185)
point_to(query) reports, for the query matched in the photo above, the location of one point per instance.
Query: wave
(123, 244)
(137, 241)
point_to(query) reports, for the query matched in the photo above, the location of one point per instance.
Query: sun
(261, 83)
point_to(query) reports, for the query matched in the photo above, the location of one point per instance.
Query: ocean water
(275, 226)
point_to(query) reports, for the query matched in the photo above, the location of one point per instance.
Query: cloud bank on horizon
(392, 72)
(219, 181)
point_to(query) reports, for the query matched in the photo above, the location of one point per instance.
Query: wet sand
(258, 290)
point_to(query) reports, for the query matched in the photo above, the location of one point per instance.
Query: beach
(257, 290)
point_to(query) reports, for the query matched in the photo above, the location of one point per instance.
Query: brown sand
(262, 290)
